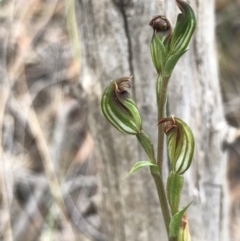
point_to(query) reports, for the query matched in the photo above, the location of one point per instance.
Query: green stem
(162, 198)
(147, 145)
(162, 83)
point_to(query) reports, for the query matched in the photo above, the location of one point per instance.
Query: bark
(115, 39)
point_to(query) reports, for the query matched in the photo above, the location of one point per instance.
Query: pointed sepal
(185, 26)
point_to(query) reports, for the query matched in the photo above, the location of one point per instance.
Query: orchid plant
(167, 47)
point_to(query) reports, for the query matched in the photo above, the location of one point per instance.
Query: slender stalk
(146, 143)
(162, 83)
(162, 199)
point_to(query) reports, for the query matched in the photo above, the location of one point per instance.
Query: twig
(7, 231)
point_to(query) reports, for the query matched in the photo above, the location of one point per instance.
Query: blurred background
(228, 47)
(46, 148)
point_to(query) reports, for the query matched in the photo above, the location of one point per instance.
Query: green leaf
(140, 165)
(175, 222)
(174, 190)
(158, 53)
(171, 63)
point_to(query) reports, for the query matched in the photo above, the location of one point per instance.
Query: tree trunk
(115, 39)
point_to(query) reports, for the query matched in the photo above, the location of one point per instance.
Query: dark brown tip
(160, 23)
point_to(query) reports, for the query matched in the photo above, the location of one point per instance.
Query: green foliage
(174, 189)
(176, 222)
(158, 52)
(171, 62)
(139, 165)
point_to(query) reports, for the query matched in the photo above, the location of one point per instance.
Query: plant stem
(146, 143)
(162, 83)
(162, 198)
(148, 147)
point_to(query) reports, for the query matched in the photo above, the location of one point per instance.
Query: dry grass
(47, 165)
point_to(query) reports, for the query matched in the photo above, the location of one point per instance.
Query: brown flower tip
(123, 84)
(184, 221)
(160, 23)
(170, 124)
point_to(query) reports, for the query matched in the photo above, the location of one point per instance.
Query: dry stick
(37, 133)
(32, 211)
(73, 32)
(33, 125)
(16, 69)
(4, 93)
(14, 73)
(35, 128)
(48, 165)
(26, 220)
(7, 231)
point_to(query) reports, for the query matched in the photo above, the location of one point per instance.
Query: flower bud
(180, 144)
(162, 27)
(185, 26)
(161, 35)
(119, 108)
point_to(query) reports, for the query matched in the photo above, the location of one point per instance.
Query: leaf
(174, 190)
(171, 62)
(140, 165)
(158, 53)
(175, 222)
